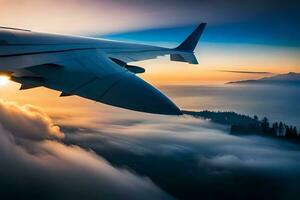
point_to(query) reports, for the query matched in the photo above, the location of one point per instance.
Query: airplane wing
(91, 68)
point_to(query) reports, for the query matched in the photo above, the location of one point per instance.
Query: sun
(3, 80)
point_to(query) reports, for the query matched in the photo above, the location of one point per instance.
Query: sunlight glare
(3, 80)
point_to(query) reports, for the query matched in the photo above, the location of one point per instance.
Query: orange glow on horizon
(215, 58)
(198, 76)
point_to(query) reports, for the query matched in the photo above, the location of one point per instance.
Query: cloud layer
(34, 167)
(129, 155)
(27, 122)
(191, 158)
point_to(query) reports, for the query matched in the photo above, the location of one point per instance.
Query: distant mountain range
(291, 78)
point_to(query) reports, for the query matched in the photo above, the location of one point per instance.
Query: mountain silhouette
(291, 78)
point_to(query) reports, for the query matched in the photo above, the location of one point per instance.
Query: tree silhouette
(275, 128)
(294, 132)
(243, 124)
(288, 131)
(265, 125)
(280, 129)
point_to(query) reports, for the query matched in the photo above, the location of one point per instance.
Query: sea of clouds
(136, 156)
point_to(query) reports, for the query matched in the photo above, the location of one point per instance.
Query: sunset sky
(258, 36)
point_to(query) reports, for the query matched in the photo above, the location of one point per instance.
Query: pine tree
(288, 133)
(280, 129)
(265, 125)
(275, 128)
(294, 132)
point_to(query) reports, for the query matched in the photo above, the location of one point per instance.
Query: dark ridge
(289, 78)
(245, 125)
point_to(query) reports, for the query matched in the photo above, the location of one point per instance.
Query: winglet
(189, 44)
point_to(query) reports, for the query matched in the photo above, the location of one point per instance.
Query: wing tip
(190, 43)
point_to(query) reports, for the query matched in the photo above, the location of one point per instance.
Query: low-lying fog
(277, 102)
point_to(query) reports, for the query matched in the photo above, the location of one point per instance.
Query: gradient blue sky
(256, 22)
